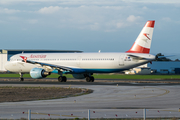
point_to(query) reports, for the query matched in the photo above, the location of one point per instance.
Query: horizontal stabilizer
(136, 57)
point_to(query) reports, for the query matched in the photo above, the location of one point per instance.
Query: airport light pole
(29, 114)
(88, 114)
(144, 113)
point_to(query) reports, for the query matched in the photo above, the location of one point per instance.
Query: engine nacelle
(78, 76)
(38, 73)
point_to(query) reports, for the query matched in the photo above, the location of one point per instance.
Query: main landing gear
(21, 79)
(62, 79)
(89, 79)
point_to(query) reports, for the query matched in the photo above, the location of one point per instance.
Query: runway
(123, 82)
(109, 100)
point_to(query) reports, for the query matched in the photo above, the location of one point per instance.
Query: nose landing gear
(21, 79)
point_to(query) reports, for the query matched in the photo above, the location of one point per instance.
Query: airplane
(84, 65)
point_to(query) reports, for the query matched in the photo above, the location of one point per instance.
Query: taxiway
(109, 100)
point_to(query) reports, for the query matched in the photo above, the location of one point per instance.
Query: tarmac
(108, 100)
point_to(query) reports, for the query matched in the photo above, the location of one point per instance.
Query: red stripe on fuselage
(150, 24)
(138, 49)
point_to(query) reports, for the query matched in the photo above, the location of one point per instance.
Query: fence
(97, 113)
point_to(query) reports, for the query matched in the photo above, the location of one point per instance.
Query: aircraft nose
(7, 65)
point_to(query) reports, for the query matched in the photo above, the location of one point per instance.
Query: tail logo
(145, 34)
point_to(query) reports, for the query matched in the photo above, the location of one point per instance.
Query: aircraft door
(78, 61)
(121, 60)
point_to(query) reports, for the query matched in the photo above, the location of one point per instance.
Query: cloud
(155, 1)
(33, 21)
(101, 15)
(119, 24)
(49, 10)
(5, 2)
(1, 21)
(167, 19)
(133, 18)
(8, 11)
(92, 17)
(14, 18)
(94, 26)
(145, 8)
(84, 17)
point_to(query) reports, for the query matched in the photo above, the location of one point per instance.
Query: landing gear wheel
(90, 79)
(21, 79)
(62, 79)
(87, 79)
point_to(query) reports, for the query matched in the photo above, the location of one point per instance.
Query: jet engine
(38, 73)
(78, 76)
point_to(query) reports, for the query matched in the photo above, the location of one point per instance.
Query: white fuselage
(89, 62)
(76, 63)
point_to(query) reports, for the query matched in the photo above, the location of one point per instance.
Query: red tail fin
(143, 41)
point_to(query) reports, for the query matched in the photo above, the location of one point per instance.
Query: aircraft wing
(137, 57)
(46, 64)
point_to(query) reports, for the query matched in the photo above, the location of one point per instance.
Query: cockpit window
(10, 59)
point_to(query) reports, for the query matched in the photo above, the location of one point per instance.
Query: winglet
(24, 58)
(143, 41)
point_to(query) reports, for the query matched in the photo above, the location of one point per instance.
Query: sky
(88, 25)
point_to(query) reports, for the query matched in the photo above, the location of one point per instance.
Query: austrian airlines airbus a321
(83, 65)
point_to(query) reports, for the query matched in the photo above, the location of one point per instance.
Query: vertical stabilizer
(143, 41)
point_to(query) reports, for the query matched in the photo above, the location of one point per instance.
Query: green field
(107, 76)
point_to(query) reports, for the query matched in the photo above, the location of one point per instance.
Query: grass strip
(107, 76)
(15, 94)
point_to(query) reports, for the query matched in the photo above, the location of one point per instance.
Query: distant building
(139, 71)
(6, 54)
(157, 67)
(165, 67)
